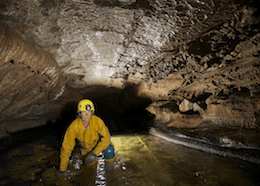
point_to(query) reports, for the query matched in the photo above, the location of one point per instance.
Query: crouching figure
(93, 136)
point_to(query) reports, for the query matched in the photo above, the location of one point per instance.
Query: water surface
(141, 159)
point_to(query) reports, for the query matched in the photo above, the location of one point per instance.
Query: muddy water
(31, 158)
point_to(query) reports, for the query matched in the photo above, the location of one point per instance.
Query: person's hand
(61, 173)
(90, 158)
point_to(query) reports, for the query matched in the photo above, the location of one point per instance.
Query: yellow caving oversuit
(89, 139)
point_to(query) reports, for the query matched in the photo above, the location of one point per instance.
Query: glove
(90, 158)
(61, 173)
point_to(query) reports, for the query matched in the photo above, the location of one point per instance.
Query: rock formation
(196, 62)
(30, 81)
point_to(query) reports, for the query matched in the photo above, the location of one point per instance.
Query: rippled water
(31, 158)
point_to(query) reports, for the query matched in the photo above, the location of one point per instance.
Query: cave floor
(31, 158)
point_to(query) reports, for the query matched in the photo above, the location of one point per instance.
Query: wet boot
(109, 166)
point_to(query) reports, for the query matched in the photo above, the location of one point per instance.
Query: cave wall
(199, 56)
(31, 84)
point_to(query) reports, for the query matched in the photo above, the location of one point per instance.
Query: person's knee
(109, 153)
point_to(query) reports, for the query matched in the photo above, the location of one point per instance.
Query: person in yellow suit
(93, 136)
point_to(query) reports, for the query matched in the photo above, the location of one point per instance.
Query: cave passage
(194, 65)
(122, 115)
(30, 157)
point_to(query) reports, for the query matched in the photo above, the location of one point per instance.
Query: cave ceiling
(55, 52)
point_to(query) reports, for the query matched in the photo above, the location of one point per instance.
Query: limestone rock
(184, 121)
(186, 106)
(236, 111)
(30, 82)
(167, 114)
(226, 141)
(197, 108)
(164, 112)
(53, 52)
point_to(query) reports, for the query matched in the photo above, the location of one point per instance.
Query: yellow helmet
(85, 105)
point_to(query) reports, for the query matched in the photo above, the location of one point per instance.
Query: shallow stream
(32, 158)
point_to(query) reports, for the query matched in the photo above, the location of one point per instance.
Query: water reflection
(140, 160)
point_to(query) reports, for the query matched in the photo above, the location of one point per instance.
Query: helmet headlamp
(88, 107)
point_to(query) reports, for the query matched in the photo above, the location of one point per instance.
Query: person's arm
(67, 146)
(105, 140)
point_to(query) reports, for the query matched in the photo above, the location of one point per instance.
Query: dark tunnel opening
(112, 106)
(119, 115)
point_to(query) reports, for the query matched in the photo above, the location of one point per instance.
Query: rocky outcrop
(31, 84)
(227, 71)
(233, 88)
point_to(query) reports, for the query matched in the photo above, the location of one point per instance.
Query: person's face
(86, 115)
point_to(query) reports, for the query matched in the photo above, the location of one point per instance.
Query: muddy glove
(61, 173)
(90, 158)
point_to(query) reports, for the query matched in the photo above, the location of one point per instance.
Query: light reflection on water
(140, 160)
